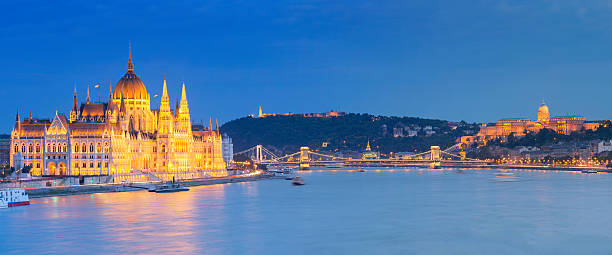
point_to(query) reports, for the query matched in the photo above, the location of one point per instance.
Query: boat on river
(281, 172)
(13, 197)
(297, 181)
(589, 171)
(168, 187)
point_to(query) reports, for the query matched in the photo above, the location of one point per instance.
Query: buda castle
(119, 137)
(520, 126)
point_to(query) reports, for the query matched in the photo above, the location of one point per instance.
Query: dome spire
(130, 66)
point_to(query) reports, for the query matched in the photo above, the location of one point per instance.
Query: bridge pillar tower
(258, 153)
(304, 158)
(435, 157)
(435, 153)
(462, 154)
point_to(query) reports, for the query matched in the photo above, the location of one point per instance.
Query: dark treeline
(286, 134)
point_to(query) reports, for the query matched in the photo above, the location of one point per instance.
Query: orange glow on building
(519, 126)
(120, 136)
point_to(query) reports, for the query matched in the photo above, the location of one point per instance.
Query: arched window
(37, 148)
(48, 147)
(65, 147)
(83, 147)
(16, 148)
(23, 147)
(163, 148)
(76, 147)
(98, 148)
(30, 148)
(105, 147)
(53, 148)
(91, 147)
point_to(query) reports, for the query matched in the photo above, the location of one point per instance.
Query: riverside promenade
(105, 188)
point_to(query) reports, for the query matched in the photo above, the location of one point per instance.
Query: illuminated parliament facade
(120, 136)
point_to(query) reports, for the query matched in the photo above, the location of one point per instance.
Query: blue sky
(458, 60)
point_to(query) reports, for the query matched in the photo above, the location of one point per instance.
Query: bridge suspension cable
(458, 156)
(456, 146)
(328, 156)
(245, 151)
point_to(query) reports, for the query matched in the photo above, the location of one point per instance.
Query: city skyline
(428, 61)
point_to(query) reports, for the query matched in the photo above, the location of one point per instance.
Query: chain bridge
(305, 157)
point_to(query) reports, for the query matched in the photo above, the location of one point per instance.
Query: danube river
(384, 211)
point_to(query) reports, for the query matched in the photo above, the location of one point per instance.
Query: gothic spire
(87, 101)
(217, 126)
(210, 124)
(130, 66)
(164, 90)
(75, 100)
(184, 107)
(165, 100)
(17, 121)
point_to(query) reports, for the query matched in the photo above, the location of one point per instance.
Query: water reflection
(381, 211)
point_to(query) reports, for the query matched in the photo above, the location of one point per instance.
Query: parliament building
(122, 136)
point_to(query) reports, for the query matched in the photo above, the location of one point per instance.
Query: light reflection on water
(380, 211)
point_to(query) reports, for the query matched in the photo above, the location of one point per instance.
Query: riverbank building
(121, 136)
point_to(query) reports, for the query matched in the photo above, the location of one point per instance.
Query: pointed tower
(87, 101)
(368, 147)
(184, 119)
(130, 66)
(165, 114)
(260, 112)
(74, 113)
(210, 124)
(111, 107)
(217, 126)
(17, 127)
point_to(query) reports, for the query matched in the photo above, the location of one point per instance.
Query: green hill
(285, 134)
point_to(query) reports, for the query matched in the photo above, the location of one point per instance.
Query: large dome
(543, 109)
(130, 86)
(543, 113)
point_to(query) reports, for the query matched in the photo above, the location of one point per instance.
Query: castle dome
(130, 86)
(543, 109)
(543, 113)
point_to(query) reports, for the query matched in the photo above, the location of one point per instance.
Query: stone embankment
(104, 188)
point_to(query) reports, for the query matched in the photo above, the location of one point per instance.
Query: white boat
(281, 172)
(13, 197)
(589, 171)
